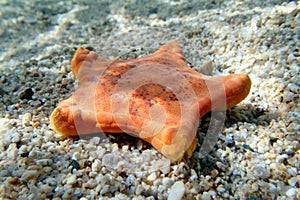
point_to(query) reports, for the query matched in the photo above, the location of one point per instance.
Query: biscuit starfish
(157, 98)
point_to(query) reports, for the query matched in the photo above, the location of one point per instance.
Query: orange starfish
(157, 98)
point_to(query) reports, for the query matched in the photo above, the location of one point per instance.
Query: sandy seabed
(257, 155)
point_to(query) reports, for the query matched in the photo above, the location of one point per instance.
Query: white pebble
(76, 156)
(194, 175)
(111, 160)
(139, 189)
(7, 137)
(16, 137)
(130, 180)
(47, 170)
(152, 177)
(293, 171)
(213, 194)
(177, 191)
(294, 180)
(125, 148)
(272, 188)
(145, 186)
(26, 119)
(96, 166)
(3, 123)
(4, 172)
(121, 196)
(90, 184)
(49, 136)
(261, 147)
(291, 192)
(95, 140)
(260, 170)
(167, 182)
(280, 158)
(68, 192)
(206, 196)
(139, 174)
(12, 151)
(293, 87)
(105, 189)
(44, 162)
(30, 175)
(163, 165)
(221, 189)
(71, 180)
(45, 188)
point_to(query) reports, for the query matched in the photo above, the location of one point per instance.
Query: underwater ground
(257, 155)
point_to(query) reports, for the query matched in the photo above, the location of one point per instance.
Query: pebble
(194, 176)
(291, 192)
(74, 165)
(4, 173)
(139, 189)
(167, 182)
(125, 148)
(262, 147)
(162, 165)
(272, 188)
(229, 140)
(214, 173)
(294, 181)
(71, 180)
(49, 136)
(8, 135)
(152, 177)
(220, 189)
(111, 160)
(26, 119)
(68, 192)
(212, 193)
(76, 156)
(12, 151)
(96, 166)
(47, 170)
(13, 180)
(130, 180)
(92, 183)
(44, 162)
(29, 175)
(293, 87)
(260, 170)
(46, 189)
(177, 191)
(105, 189)
(206, 196)
(255, 186)
(26, 94)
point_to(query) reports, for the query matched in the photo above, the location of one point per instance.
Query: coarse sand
(257, 154)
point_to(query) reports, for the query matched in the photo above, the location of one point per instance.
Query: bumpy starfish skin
(157, 98)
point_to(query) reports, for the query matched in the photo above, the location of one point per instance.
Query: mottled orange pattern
(157, 98)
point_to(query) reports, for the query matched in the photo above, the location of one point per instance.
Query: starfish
(158, 98)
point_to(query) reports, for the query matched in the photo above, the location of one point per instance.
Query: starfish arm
(84, 55)
(221, 93)
(172, 48)
(178, 143)
(237, 87)
(61, 121)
